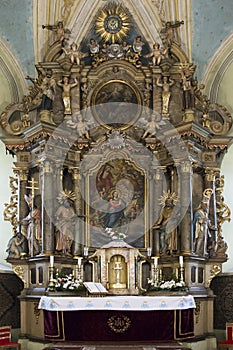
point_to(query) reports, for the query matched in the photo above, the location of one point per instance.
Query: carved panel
(223, 303)
(10, 288)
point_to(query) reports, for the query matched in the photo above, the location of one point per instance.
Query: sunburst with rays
(168, 195)
(113, 23)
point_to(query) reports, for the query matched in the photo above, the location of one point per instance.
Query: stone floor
(163, 346)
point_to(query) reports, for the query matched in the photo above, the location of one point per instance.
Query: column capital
(46, 165)
(186, 166)
(159, 171)
(75, 172)
(21, 172)
(211, 173)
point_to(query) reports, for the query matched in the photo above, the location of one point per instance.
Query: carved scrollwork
(36, 311)
(214, 271)
(11, 121)
(223, 211)
(20, 272)
(220, 119)
(197, 311)
(11, 210)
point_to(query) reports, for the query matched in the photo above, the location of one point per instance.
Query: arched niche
(103, 174)
(117, 272)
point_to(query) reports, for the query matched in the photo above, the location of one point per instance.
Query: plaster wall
(227, 171)
(212, 23)
(16, 31)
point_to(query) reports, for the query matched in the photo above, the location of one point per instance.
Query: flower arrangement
(172, 284)
(64, 282)
(115, 234)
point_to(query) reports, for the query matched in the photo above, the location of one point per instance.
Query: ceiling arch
(221, 61)
(12, 73)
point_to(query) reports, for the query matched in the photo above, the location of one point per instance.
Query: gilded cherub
(156, 54)
(74, 54)
(59, 32)
(79, 125)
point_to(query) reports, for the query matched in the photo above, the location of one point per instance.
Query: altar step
(159, 346)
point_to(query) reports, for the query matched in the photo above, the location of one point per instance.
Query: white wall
(227, 171)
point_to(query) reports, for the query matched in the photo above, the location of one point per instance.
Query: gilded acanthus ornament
(11, 209)
(223, 214)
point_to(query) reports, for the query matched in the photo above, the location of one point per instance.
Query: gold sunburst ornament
(113, 23)
(168, 195)
(66, 195)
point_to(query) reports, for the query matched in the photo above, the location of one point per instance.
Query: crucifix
(33, 187)
(118, 269)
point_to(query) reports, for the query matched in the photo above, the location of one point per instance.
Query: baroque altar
(117, 177)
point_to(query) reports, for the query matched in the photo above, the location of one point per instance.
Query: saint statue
(166, 94)
(202, 225)
(167, 225)
(33, 224)
(65, 217)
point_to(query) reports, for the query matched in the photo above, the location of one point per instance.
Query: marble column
(22, 176)
(186, 208)
(158, 191)
(58, 176)
(210, 178)
(48, 199)
(79, 229)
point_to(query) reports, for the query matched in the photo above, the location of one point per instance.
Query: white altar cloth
(131, 303)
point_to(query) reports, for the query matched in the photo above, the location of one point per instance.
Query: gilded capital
(22, 173)
(210, 174)
(75, 172)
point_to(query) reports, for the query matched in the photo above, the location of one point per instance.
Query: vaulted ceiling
(206, 37)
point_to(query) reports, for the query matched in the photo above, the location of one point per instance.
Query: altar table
(118, 318)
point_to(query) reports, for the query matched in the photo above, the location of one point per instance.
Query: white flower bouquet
(65, 282)
(115, 234)
(170, 285)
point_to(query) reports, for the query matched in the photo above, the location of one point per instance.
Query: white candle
(79, 261)
(51, 260)
(155, 261)
(181, 260)
(85, 251)
(149, 251)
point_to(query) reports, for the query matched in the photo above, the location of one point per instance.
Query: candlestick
(181, 274)
(156, 270)
(51, 285)
(155, 258)
(79, 261)
(181, 260)
(51, 260)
